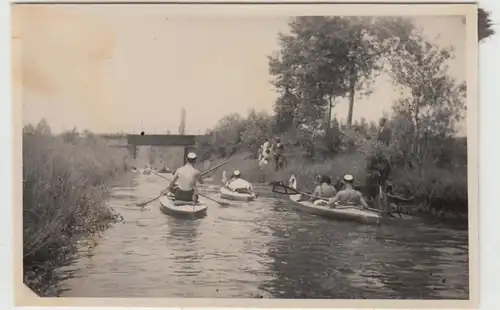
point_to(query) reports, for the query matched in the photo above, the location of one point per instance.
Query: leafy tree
(70, 136)
(43, 128)
(226, 136)
(29, 129)
(324, 58)
(484, 24)
(434, 101)
(257, 130)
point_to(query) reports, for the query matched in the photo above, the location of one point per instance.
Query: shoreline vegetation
(66, 179)
(416, 148)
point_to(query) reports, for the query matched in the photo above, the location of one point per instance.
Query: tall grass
(65, 182)
(436, 190)
(305, 170)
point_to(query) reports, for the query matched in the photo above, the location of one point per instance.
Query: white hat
(191, 156)
(236, 172)
(348, 178)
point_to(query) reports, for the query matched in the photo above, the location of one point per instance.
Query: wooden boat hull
(182, 209)
(341, 213)
(230, 195)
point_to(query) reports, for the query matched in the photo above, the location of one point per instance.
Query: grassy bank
(305, 170)
(66, 179)
(438, 192)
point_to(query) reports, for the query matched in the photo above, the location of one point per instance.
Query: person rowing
(324, 190)
(183, 184)
(348, 196)
(236, 184)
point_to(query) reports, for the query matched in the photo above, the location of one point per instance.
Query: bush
(432, 168)
(435, 188)
(65, 182)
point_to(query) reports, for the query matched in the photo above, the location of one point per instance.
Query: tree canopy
(484, 24)
(327, 57)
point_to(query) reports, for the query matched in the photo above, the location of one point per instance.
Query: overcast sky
(113, 68)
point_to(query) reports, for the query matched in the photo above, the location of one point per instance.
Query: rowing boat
(183, 209)
(226, 193)
(347, 213)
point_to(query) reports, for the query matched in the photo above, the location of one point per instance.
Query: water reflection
(265, 249)
(325, 259)
(182, 242)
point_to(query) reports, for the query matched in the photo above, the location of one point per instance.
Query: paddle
(292, 191)
(142, 204)
(224, 204)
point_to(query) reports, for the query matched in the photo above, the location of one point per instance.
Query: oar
(142, 204)
(224, 204)
(296, 192)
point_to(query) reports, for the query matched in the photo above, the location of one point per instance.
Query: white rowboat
(183, 209)
(347, 213)
(226, 193)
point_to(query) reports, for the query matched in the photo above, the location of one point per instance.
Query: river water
(264, 249)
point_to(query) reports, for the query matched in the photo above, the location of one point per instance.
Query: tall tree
(433, 101)
(484, 24)
(323, 58)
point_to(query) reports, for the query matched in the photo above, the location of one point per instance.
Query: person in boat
(185, 179)
(348, 196)
(324, 190)
(239, 185)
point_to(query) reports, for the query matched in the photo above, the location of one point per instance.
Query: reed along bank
(66, 179)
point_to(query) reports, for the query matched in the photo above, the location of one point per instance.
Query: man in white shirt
(237, 184)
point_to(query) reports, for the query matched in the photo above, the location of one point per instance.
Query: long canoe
(226, 193)
(182, 209)
(341, 213)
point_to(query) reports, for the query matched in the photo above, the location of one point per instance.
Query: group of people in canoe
(326, 194)
(183, 185)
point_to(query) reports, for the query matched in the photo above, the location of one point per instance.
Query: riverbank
(66, 181)
(439, 194)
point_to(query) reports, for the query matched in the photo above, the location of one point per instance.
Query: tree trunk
(416, 143)
(351, 101)
(329, 120)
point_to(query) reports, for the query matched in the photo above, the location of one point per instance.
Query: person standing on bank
(278, 150)
(185, 180)
(384, 133)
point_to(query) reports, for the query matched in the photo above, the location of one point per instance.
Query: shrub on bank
(435, 188)
(65, 182)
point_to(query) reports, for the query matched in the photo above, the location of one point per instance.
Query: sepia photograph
(267, 155)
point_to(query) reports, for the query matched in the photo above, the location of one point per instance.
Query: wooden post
(185, 154)
(133, 150)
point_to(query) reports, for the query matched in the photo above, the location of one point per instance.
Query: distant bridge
(132, 141)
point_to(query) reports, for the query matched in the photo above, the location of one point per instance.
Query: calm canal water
(264, 249)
